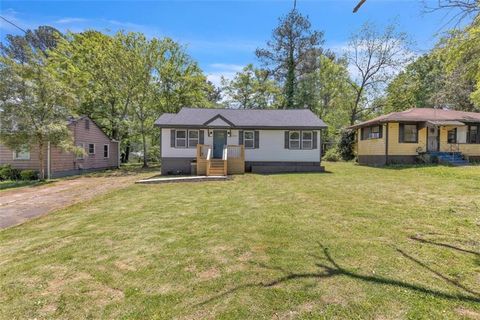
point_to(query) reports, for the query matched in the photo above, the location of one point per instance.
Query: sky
(223, 35)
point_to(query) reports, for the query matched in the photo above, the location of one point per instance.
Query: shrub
(29, 175)
(332, 155)
(345, 146)
(153, 154)
(9, 173)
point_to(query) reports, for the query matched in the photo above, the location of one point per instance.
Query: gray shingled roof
(241, 118)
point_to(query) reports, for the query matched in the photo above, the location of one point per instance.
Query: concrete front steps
(451, 158)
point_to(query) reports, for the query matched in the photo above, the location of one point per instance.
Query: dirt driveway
(20, 204)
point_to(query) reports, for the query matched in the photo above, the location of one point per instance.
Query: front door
(432, 145)
(219, 141)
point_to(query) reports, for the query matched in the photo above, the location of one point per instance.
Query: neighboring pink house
(101, 152)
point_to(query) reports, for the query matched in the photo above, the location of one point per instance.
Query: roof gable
(218, 121)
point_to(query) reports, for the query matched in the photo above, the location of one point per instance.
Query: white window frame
(89, 153)
(197, 139)
(81, 145)
(25, 150)
(108, 151)
(294, 140)
(307, 140)
(184, 139)
(252, 139)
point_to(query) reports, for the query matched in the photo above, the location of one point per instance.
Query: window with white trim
(307, 140)
(181, 138)
(193, 136)
(106, 151)
(294, 140)
(81, 145)
(249, 139)
(91, 148)
(22, 153)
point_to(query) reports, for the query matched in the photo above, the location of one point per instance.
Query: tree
(461, 51)
(145, 55)
(417, 85)
(181, 82)
(375, 58)
(95, 65)
(251, 89)
(286, 54)
(35, 106)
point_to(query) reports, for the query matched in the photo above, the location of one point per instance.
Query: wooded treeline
(125, 81)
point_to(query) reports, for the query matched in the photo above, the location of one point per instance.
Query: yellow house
(401, 137)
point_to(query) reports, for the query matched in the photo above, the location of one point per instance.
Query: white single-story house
(228, 141)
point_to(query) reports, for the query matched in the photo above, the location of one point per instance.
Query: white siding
(271, 147)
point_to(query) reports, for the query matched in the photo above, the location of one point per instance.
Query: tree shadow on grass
(332, 269)
(445, 245)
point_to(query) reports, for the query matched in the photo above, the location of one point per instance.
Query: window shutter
(172, 138)
(380, 131)
(286, 140)
(362, 134)
(315, 142)
(240, 137)
(201, 138)
(400, 132)
(256, 139)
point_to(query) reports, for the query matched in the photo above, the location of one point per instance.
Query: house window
(81, 145)
(294, 140)
(91, 148)
(106, 151)
(374, 132)
(473, 134)
(307, 139)
(192, 138)
(87, 124)
(452, 136)
(249, 139)
(181, 138)
(408, 133)
(23, 153)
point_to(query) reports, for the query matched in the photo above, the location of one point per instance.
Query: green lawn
(355, 243)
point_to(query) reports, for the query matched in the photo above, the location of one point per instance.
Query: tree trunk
(40, 159)
(145, 164)
(127, 152)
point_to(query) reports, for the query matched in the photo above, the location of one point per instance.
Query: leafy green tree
(416, 86)
(462, 53)
(181, 83)
(35, 106)
(327, 92)
(96, 65)
(251, 89)
(287, 54)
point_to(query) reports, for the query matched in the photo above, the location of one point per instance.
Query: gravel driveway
(20, 204)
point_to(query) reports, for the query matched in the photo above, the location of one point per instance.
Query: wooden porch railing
(233, 157)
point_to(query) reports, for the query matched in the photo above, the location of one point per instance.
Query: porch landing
(182, 179)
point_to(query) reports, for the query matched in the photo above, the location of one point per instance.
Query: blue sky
(222, 35)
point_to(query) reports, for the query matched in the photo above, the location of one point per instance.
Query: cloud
(70, 20)
(219, 70)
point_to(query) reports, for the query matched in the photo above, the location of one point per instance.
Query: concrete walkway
(20, 204)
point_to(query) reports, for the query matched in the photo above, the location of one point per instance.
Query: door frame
(224, 142)
(437, 128)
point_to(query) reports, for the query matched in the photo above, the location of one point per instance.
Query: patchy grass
(9, 184)
(358, 242)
